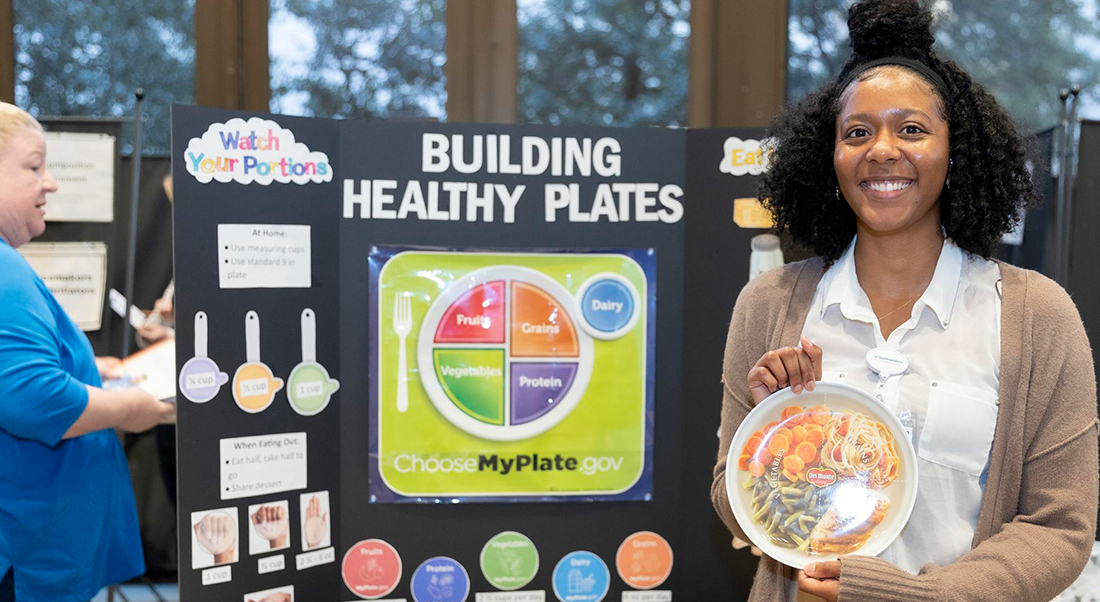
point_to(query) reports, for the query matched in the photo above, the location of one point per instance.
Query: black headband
(924, 70)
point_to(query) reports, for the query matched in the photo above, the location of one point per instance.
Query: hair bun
(880, 28)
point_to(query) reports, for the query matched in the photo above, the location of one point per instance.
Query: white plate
(839, 399)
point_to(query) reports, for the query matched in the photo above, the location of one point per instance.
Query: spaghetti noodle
(859, 447)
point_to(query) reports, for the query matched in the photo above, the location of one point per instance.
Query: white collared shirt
(948, 395)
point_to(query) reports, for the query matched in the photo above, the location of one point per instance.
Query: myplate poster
(502, 376)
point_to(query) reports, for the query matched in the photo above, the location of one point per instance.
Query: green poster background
(420, 453)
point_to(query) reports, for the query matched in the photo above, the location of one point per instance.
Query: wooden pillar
(7, 53)
(738, 63)
(482, 70)
(231, 54)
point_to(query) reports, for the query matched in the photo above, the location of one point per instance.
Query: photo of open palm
(316, 524)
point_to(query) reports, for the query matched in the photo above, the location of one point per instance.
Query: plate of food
(820, 475)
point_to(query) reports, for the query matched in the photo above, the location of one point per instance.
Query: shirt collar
(841, 286)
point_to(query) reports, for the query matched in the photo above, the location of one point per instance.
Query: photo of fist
(273, 524)
(217, 534)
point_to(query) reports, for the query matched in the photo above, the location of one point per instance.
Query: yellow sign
(749, 213)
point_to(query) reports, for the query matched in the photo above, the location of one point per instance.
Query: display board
(446, 362)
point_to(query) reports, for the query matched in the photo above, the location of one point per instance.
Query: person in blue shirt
(68, 525)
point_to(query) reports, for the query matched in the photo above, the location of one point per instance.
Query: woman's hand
(821, 579)
(145, 411)
(796, 367)
(109, 367)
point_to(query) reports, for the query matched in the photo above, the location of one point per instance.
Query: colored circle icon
(609, 305)
(254, 384)
(501, 355)
(254, 387)
(644, 560)
(371, 569)
(509, 560)
(200, 378)
(581, 577)
(309, 387)
(440, 579)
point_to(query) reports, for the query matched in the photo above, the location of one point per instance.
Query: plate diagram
(502, 354)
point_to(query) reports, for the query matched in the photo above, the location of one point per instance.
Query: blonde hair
(12, 120)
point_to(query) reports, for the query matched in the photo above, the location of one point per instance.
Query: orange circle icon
(644, 560)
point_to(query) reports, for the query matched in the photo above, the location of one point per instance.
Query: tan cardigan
(1038, 513)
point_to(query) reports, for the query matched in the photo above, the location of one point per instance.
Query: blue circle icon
(608, 305)
(440, 579)
(581, 577)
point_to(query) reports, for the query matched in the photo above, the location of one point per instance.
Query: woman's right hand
(795, 367)
(144, 411)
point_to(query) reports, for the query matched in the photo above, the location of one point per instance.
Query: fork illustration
(402, 325)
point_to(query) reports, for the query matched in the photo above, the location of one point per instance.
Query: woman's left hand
(109, 368)
(821, 579)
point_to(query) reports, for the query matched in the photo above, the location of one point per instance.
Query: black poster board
(682, 224)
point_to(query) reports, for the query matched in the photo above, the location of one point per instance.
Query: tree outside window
(1023, 51)
(606, 62)
(87, 58)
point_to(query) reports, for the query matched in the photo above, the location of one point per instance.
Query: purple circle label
(200, 379)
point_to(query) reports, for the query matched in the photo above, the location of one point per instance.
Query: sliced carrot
(819, 414)
(802, 475)
(756, 468)
(759, 435)
(806, 451)
(769, 427)
(796, 420)
(764, 455)
(791, 411)
(816, 437)
(790, 477)
(779, 444)
(798, 434)
(753, 444)
(793, 464)
(743, 462)
(786, 432)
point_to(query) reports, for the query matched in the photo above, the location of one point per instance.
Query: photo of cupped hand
(316, 524)
(273, 524)
(217, 534)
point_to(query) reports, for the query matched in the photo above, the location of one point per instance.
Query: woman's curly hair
(989, 175)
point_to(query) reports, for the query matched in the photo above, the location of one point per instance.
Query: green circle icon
(509, 560)
(309, 388)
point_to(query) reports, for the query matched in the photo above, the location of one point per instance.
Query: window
(607, 62)
(87, 58)
(1023, 51)
(358, 58)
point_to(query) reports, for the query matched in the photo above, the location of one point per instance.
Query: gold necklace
(881, 318)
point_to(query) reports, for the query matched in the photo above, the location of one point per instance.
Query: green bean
(749, 484)
(792, 518)
(790, 491)
(759, 513)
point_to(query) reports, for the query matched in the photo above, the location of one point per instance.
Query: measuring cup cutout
(254, 385)
(200, 378)
(309, 387)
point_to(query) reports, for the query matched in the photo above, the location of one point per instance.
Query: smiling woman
(902, 174)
